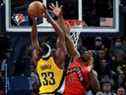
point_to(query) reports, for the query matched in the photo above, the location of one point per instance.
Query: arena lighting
(46, 27)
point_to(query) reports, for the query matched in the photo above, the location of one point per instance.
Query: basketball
(36, 8)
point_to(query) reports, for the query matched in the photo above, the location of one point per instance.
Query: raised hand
(56, 9)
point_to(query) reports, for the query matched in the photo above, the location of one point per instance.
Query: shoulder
(74, 61)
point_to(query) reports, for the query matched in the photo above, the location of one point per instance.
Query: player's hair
(82, 50)
(46, 50)
(83, 53)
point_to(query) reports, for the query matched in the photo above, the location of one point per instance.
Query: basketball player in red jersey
(80, 75)
(48, 66)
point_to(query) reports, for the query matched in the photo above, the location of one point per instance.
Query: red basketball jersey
(73, 84)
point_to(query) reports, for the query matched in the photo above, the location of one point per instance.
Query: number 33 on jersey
(50, 76)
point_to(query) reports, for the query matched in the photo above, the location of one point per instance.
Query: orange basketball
(36, 8)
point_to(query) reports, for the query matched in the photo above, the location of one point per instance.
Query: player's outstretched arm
(69, 42)
(34, 34)
(34, 40)
(57, 10)
(53, 23)
(60, 44)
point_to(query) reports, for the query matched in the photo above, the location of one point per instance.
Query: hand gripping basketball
(36, 8)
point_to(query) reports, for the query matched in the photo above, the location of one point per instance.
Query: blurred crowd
(3, 49)
(110, 63)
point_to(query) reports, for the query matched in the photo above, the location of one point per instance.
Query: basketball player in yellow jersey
(48, 66)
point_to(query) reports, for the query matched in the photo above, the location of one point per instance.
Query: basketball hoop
(74, 35)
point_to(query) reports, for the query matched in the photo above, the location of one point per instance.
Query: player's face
(85, 57)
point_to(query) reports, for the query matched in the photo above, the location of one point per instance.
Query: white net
(75, 37)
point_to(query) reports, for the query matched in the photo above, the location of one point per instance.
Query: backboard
(101, 16)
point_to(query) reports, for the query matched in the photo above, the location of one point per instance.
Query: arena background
(16, 69)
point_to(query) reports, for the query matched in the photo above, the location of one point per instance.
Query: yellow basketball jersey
(50, 76)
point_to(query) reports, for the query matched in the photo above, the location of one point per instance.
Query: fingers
(33, 19)
(57, 5)
(44, 15)
(51, 7)
(61, 7)
(44, 7)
